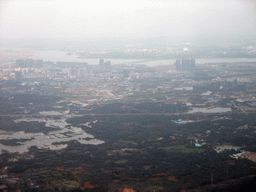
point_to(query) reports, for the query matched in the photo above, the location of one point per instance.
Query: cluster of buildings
(185, 64)
(24, 69)
(29, 63)
(77, 72)
(104, 64)
(82, 70)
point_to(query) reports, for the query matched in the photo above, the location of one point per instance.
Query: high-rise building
(80, 73)
(39, 63)
(104, 64)
(107, 64)
(72, 73)
(20, 63)
(177, 64)
(188, 64)
(18, 76)
(30, 63)
(101, 62)
(185, 64)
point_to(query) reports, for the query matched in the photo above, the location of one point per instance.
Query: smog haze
(126, 19)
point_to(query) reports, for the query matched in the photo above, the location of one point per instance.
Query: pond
(64, 132)
(210, 110)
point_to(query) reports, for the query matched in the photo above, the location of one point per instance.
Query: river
(55, 56)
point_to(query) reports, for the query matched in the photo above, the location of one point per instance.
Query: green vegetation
(158, 150)
(182, 149)
(107, 161)
(121, 161)
(132, 142)
(71, 184)
(146, 167)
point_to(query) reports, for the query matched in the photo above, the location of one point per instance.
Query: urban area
(72, 126)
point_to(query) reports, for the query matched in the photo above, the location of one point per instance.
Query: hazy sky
(82, 19)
